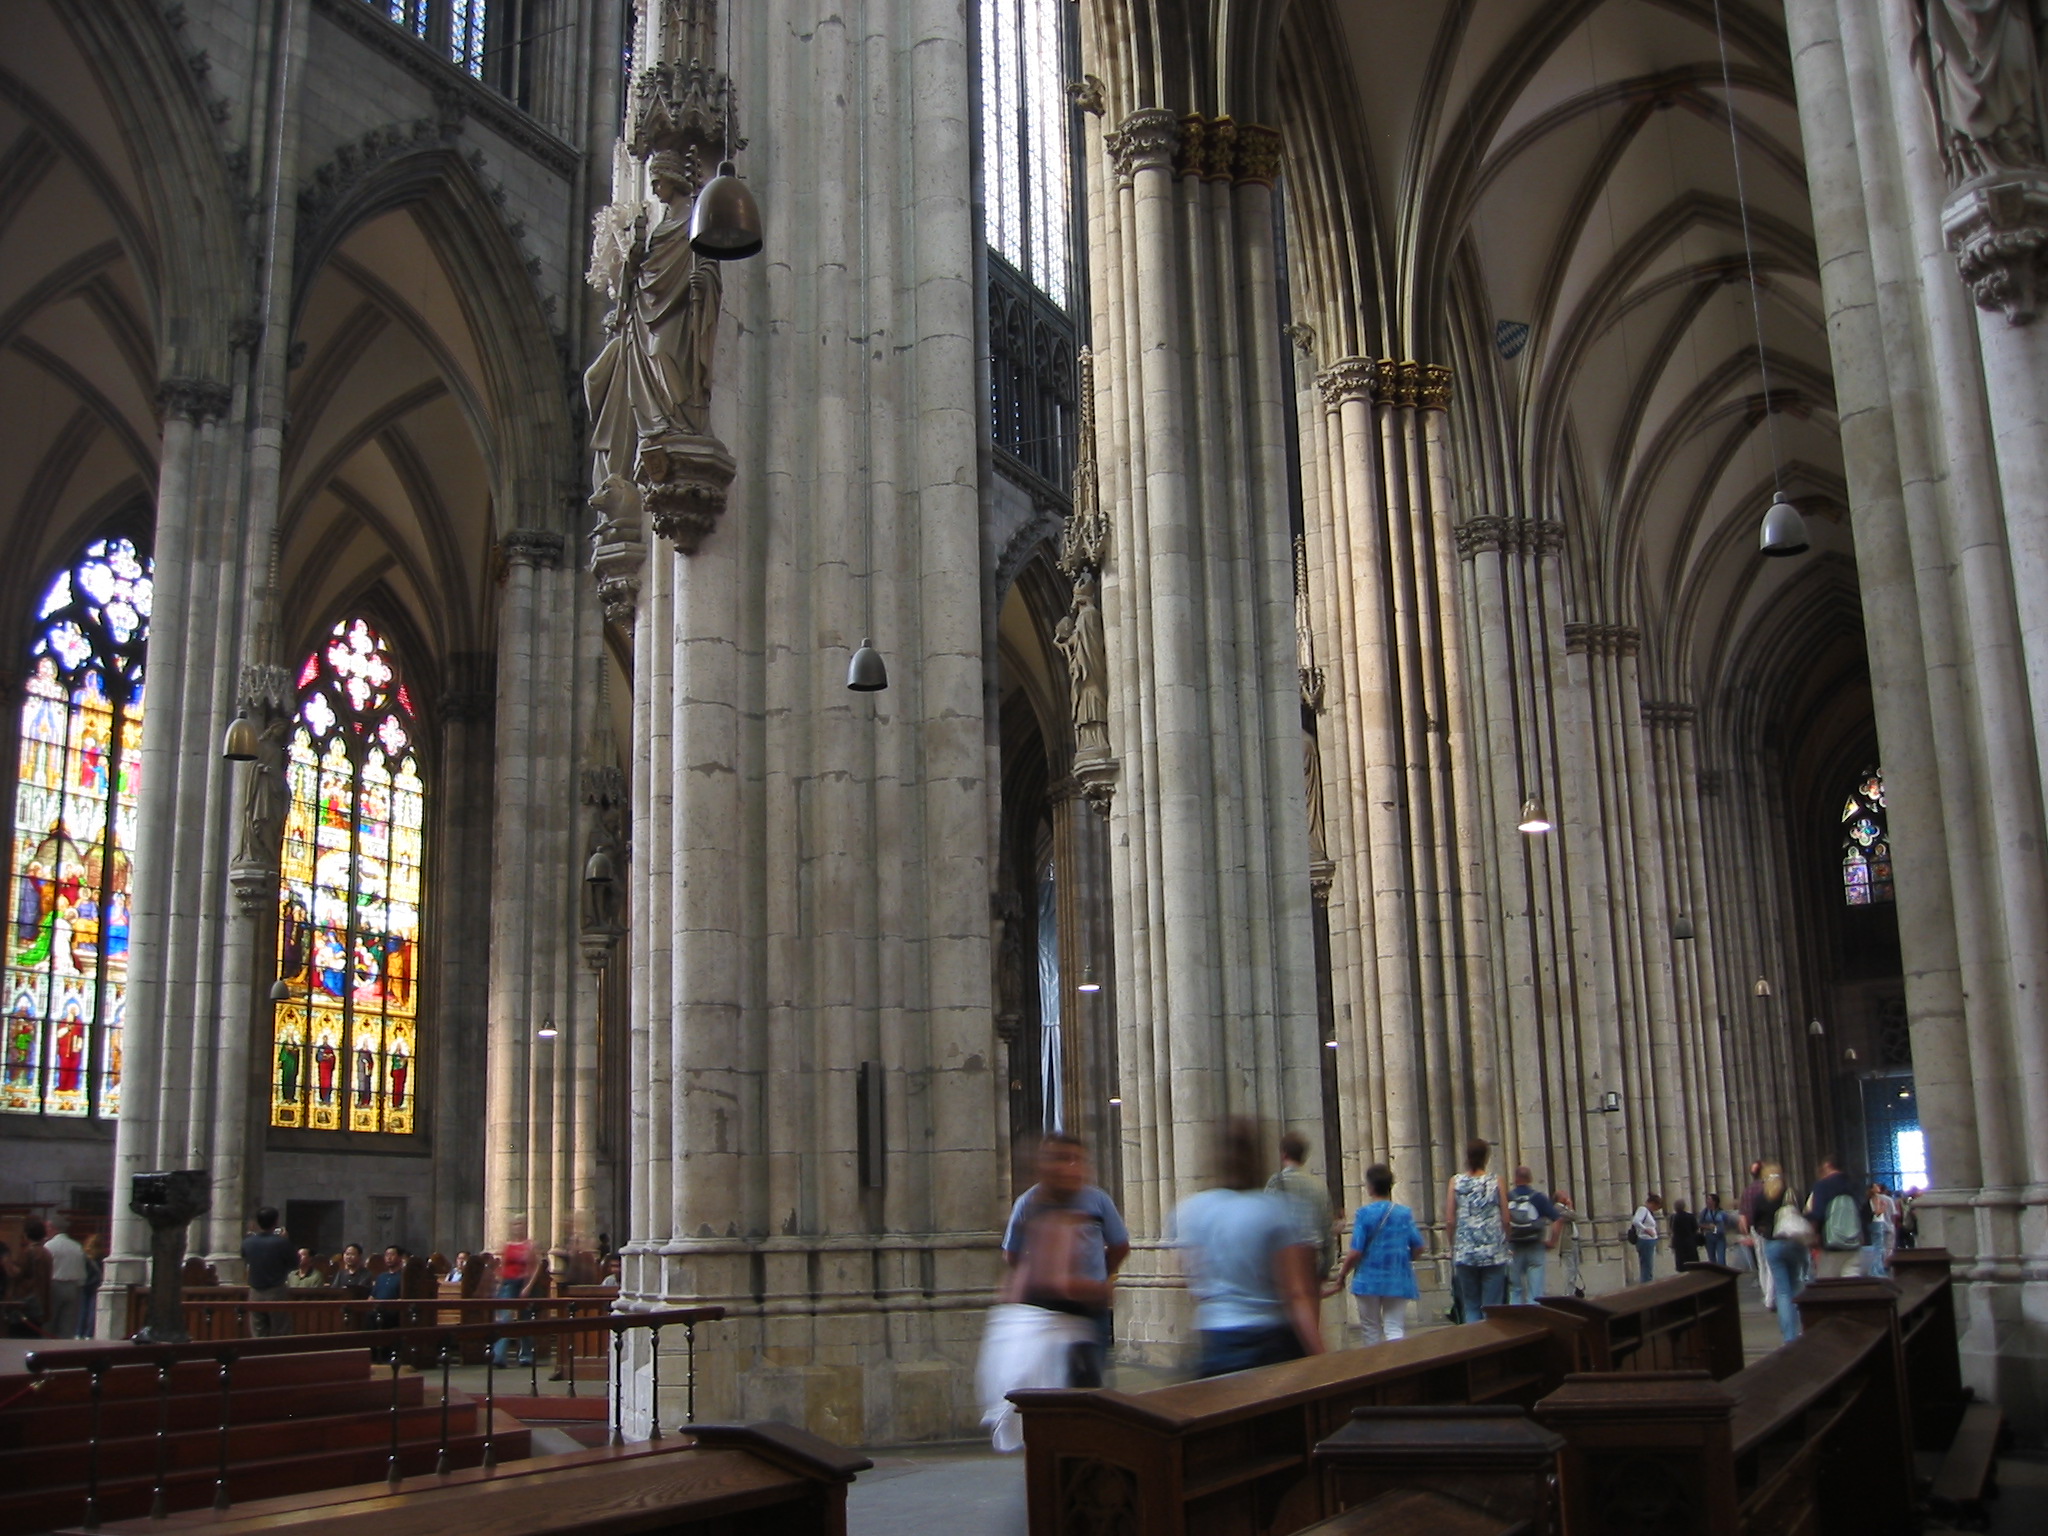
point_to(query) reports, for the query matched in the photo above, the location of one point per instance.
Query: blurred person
(458, 1269)
(1643, 1232)
(1840, 1212)
(1092, 1237)
(518, 1273)
(95, 1275)
(1381, 1263)
(1786, 1238)
(1248, 1265)
(1476, 1231)
(28, 1282)
(1568, 1251)
(1884, 1216)
(1714, 1229)
(1685, 1235)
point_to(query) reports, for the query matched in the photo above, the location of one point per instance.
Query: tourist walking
(1839, 1210)
(1685, 1236)
(1714, 1229)
(268, 1255)
(518, 1273)
(1532, 1233)
(1756, 1231)
(1381, 1263)
(1247, 1265)
(1310, 1197)
(1884, 1217)
(1568, 1251)
(1787, 1238)
(1087, 1244)
(1642, 1229)
(1476, 1230)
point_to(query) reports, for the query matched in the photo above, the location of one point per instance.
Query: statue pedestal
(683, 478)
(168, 1202)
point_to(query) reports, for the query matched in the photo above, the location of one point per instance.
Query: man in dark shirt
(269, 1256)
(353, 1276)
(388, 1286)
(1837, 1258)
(1532, 1232)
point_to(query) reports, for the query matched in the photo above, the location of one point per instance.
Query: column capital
(1349, 378)
(1998, 232)
(1668, 714)
(1602, 639)
(193, 400)
(1434, 392)
(537, 547)
(1144, 141)
(1482, 535)
(1258, 154)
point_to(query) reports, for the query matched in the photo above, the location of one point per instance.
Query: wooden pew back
(1684, 1322)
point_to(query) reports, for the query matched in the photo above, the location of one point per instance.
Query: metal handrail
(442, 1338)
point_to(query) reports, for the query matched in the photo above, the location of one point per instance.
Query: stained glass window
(466, 35)
(1866, 843)
(1024, 120)
(345, 1042)
(77, 780)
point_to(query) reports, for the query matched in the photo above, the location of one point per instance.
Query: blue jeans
(1478, 1286)
(1787, 1259)
(1525, 1272)
(1239, 1349)
(507, 1289)
(1717, 1248)
(1646, 1258)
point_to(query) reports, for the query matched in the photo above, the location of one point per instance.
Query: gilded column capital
(1998, 232)
(1190, 155)
(1220, 162)
(1398, 382)
(1349, 378)
(1258, 153)
(1145, 141)
(194, 400)
(1434, 392)
(537, 547)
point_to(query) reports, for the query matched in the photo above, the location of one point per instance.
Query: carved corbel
(683, 478)
(1998, 232)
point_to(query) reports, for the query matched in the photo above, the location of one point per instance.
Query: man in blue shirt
(1100, 1243)
(1532, 1232)
(388, 1286)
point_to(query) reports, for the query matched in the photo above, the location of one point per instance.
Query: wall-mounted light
(1610, 1103)
(1533, 821)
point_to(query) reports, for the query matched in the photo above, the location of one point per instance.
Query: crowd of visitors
(49, 1284)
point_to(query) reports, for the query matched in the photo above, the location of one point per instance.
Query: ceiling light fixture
(1533, 821)
(547, 1030)
(1681, 928)
(1088, 982)
(725, 224)
(866, 672)
(240, 743)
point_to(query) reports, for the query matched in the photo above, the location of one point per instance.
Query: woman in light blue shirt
(1250, 1265)
(1381, 1263)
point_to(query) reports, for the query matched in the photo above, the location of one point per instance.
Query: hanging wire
(1756, 308)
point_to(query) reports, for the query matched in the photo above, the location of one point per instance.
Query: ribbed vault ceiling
(1566, 165)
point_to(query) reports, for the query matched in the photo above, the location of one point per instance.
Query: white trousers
(1381, 1318)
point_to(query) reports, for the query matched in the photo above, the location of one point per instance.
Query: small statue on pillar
(1079, 637)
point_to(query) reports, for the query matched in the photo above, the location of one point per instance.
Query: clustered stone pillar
(1925, 149)
(1216, 997)
(805, 860)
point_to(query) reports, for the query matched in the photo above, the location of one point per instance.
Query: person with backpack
(1840, 1211)
(1476, 1229)
(1533, 1225)
(1384, 1243)
(1642, 1231)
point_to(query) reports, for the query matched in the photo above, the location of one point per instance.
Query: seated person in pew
(308, 1275)
(1381, 1263)
(1249, 1263)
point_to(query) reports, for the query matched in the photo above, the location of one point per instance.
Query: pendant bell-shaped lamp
(239, 746)
(865, 673)
(1784, 531)
(1533, 821)
(1681, 928)
(280, 991)
(725, 224)
(599, 869)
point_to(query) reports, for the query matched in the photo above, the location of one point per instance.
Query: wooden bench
(1490, 1464)
(1234, 1453)
(1685, 1322)
(719, 1480)
(1812, 1437)
(1413, 1512)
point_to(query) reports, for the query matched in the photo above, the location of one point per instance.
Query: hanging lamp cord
(1756, 308)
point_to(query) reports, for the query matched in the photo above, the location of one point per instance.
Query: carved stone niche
(683, 478)
(1998, 231)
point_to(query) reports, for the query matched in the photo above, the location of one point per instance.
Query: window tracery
(1866, 843)
(345, 1043)
(77, 782)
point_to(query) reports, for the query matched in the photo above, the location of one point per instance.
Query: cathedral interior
(1299, 467)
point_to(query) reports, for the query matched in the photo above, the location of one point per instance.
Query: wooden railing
(440, 1343)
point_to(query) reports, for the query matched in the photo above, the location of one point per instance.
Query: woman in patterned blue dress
(1476, 1227)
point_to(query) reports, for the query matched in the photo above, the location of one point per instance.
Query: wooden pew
(720, 1480)
(1810, 1438)
(1684, 1322)
(1478, 1467)
(1234, 1453)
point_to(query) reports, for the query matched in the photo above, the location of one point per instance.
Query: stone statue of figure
(1979, 63)
(266, 798)
(654, 374)
(1079, 638)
